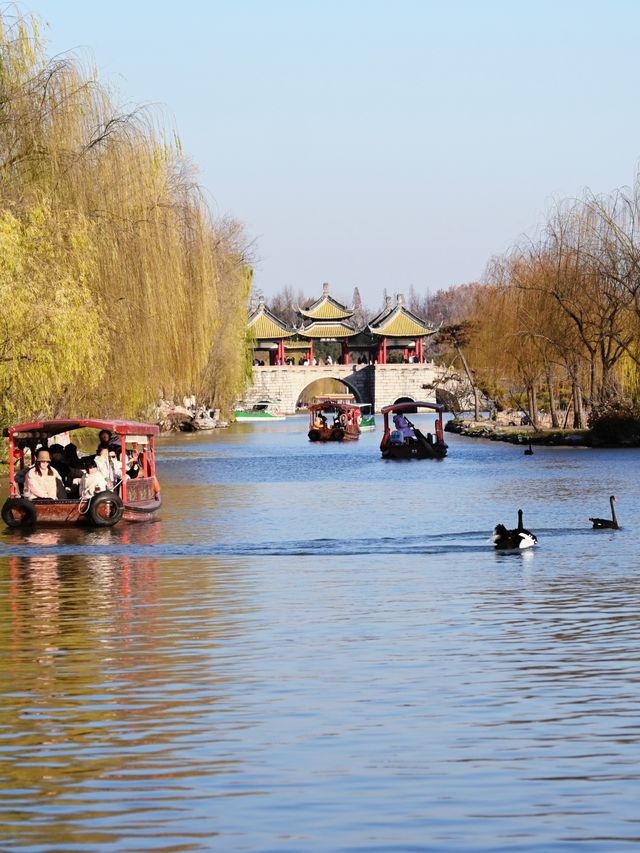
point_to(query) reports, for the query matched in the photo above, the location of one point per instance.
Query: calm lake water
(314, 649)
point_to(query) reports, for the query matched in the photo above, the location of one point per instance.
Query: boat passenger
(42, 479)
(104, 437)
(105, 463)
(76, 465)
(92, 481)
(403, 425)
(133, 464)
(58, 462)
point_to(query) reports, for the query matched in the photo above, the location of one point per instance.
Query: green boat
(367, 417)
(263, 410)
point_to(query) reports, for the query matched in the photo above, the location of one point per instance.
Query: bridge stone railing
(380, 384)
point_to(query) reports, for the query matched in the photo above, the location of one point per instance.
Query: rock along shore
(520, 434)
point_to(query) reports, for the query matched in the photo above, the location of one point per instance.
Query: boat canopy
(409, 404)
(330, 403)
(44, 429)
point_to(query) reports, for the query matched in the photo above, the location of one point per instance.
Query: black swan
(611, 523)
(510, 539)
(529, 451)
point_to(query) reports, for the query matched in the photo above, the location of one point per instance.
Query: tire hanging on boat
(18, 512)
(105, 509)
(314, 435)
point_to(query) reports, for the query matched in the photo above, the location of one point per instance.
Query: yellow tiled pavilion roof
(399, 322)
(266, 326)
(326, 308)
(327, 330)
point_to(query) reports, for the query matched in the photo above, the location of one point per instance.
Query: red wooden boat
(333, 420)
(405, 440)
(136, 499)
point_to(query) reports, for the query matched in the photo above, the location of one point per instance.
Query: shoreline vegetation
(488, 429)
(625, 435)
(118, 284)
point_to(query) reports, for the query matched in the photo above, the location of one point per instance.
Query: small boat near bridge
(333, 419)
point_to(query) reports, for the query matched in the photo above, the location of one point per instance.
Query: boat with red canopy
(405, 440)
(129, 499)
(333, 419)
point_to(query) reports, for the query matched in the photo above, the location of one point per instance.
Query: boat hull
(242, 417)
(414, 451)
(332, 434)
(142, 504)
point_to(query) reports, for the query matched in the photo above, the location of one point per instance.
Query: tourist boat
(367, 417)
(135, 499)
(263, 410)
(405, 440)
(332, 419)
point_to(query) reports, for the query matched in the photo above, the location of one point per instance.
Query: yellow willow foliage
(168, 284)
(629, 377)
(225, 372)
(50, 336)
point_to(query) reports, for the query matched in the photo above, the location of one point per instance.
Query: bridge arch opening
(413, 410)
(324, 387)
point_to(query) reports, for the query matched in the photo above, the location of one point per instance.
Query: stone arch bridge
(379, 384)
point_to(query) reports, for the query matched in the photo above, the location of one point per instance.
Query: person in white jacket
(41, 480)
(92, 481)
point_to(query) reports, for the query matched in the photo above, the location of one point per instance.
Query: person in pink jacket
(42, 479)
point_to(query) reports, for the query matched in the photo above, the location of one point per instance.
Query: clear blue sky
(377, 144)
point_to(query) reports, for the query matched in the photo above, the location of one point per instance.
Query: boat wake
(469, 542)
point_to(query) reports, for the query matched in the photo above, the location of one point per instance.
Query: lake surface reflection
(314, 649)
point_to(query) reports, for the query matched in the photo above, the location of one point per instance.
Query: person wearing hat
(42, 478)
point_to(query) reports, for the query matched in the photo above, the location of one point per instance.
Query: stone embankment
(519, 434)
(171, 417)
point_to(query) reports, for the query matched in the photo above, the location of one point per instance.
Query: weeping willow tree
(120, 285)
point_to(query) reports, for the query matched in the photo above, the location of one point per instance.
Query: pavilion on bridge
(395, 332)
(397, 328)
(329, 321)
(269, 333)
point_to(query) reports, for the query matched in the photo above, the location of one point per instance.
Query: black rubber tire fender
(18, 512)
(105, 509)
(314, 435)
